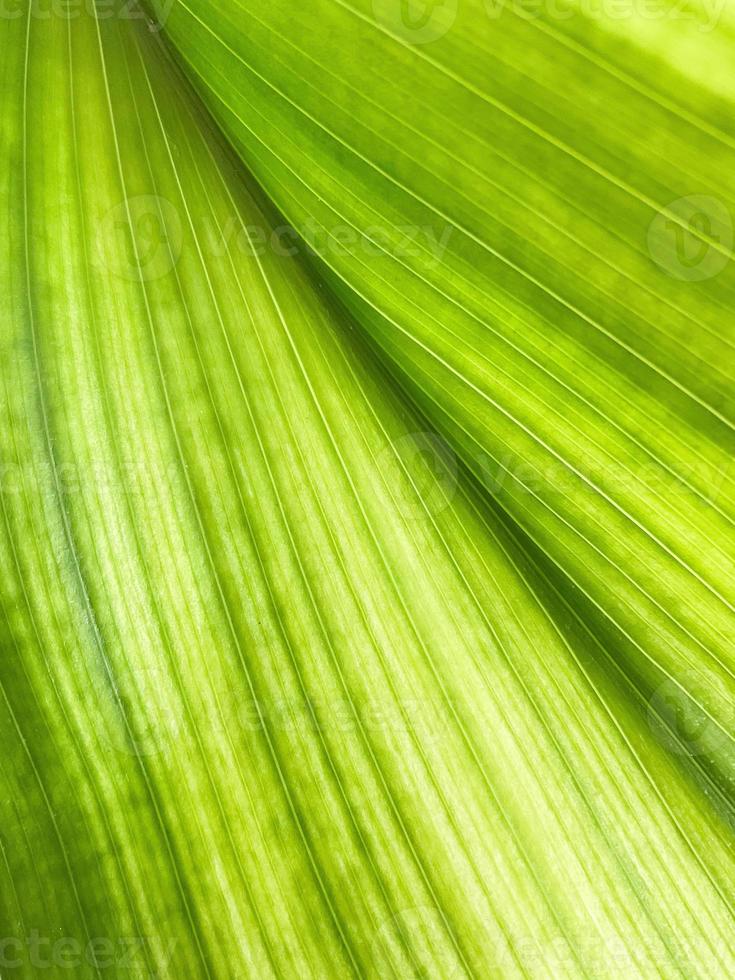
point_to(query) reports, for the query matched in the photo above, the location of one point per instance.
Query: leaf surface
(283, 693)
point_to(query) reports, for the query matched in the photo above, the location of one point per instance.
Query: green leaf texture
(563, 311)
(284, 691)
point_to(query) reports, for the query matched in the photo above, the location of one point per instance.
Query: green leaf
(283, 691)
(563, 311)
